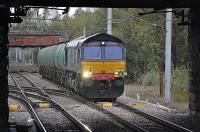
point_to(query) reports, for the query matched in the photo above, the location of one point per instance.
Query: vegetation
(144, 41)
(179, 78)
(179, 83)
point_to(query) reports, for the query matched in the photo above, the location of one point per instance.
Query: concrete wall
(194, 62)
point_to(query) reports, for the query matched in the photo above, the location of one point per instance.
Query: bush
(179, 95)
(179, 78)
(150, 79)
(179, 82)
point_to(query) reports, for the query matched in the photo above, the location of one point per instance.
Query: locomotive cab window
(114, 52)
(92, 52)
(103, 51)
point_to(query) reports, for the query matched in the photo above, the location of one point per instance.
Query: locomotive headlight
(125, 73)
(87, 74)
(90, 73)
(120, 74)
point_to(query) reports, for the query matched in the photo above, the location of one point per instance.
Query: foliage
(179, 95)
(150, 79)
(92, 21)
(179, 78)
(145, 42)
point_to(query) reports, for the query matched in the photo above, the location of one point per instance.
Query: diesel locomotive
(93, 66)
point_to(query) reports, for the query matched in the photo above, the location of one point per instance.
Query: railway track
(25, 68)
(53, 92)
(39, 94)
(157, 124)
(32, 89)
(165, 125)
(30, 108)
(149, 122)
(145, 123)
(30, 105)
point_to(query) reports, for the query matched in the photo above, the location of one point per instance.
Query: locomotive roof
(91, 38)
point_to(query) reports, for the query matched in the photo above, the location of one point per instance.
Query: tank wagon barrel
(93, 66)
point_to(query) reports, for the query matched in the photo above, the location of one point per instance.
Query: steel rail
(42, 91)
(151, 117)
(154, 118)
(13, 87)
(99, 108)
(130, 125)
(148, 116)
(82, 126)
(62, 109)
(28, 106)
(38, 121)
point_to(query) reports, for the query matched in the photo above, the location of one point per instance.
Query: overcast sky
(72, 10)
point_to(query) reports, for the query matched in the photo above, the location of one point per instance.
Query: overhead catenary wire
(128, 14)
(140, 19)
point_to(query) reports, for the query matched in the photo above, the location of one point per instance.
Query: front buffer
(104, 90)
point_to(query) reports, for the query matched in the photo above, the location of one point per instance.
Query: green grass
(145, 92)
(180, 95)
(151, 93)
(149, 86)
(150, 79)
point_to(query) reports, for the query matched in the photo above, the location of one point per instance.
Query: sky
(72, 11)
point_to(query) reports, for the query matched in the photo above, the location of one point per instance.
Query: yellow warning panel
(138, 103)
(13, 108)
(105, 104)
(43, 105)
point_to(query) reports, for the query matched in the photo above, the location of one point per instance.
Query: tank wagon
(93, 66)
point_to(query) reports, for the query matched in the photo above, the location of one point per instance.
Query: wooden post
(161, 83)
